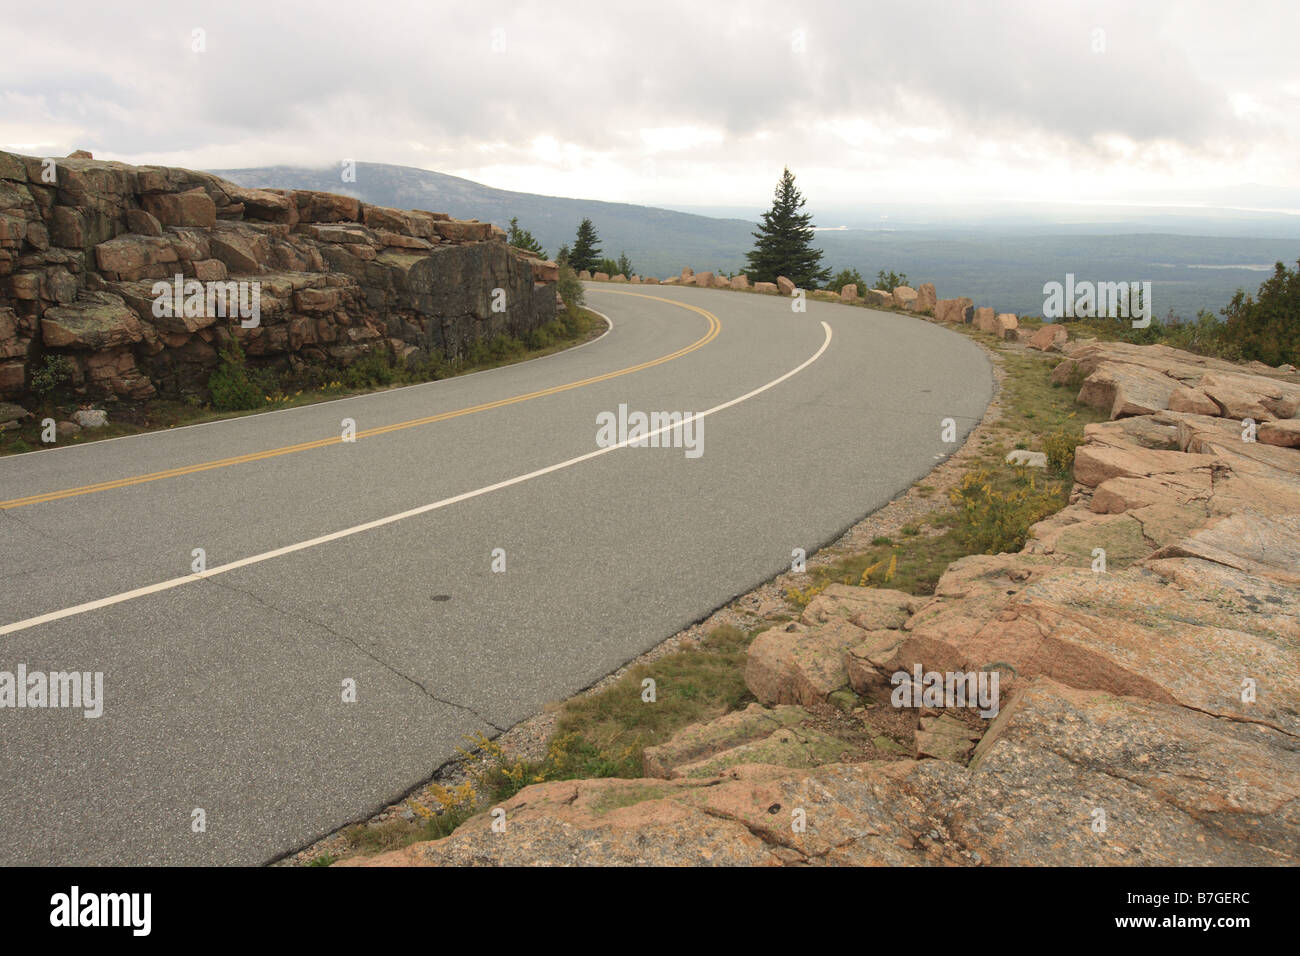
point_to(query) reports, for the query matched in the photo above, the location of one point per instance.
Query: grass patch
(691, 685)
(629, 796)
(917, 564)
(600, 735)
(366, 840)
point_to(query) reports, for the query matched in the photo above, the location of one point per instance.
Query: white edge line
(257, 416)
(400, 516)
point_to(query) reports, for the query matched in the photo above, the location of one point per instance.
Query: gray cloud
(1179, 86)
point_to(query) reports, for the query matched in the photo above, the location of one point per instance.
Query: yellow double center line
(715, 326)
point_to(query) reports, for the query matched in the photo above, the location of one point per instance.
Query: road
(372, 561)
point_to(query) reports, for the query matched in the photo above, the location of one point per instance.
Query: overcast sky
(678, 103)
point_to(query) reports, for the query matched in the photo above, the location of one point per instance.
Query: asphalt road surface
(372, 561)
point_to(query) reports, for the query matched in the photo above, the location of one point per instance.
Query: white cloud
(697, 103)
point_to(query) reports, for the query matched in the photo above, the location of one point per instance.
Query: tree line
(1265, 326)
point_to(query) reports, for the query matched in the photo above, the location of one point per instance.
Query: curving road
(372, 561)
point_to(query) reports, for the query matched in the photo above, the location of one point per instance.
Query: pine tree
(522, 238)
(848, 277)
(585, 253)
(562, 257)
(784, 246)
(1266, 326)
(624, 266)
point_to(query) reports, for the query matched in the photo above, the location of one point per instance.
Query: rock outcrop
(1148, 651)
(88, 250)
(905, 297)
(960, 310)
(1127, 380)
(926, 298)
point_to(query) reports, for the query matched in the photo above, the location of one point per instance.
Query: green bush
(889, 281)
(231, 386)
(372, 370)
(570, 288)
(505, 347)
(544, 336)
(847, 277)
(56, 370)
(1266, 327)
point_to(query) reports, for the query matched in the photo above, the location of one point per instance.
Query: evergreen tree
(522, 238)
(585, 253)
(847, 277)
(624, 266)
(1266, 326)
(562, 257)
(889, 281)
(784, 246)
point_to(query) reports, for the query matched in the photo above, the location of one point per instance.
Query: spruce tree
(522, 238)
(1266, 326)
(585, 254)
(784, 246)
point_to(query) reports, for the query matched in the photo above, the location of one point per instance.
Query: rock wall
(83, 244)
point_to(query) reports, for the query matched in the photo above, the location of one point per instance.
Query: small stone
(91, 417)
(9, 412)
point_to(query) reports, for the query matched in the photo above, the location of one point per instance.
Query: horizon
(1032, 211)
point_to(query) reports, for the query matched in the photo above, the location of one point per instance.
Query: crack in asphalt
(41, 532)
(349, 640)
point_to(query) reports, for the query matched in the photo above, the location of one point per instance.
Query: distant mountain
(659, 241)
(998, 254)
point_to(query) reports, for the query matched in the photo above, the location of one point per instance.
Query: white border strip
(400, 516)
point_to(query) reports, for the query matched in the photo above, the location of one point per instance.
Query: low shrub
(230, 384)
(1059, 447)
(55, 371)
(993, 521)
